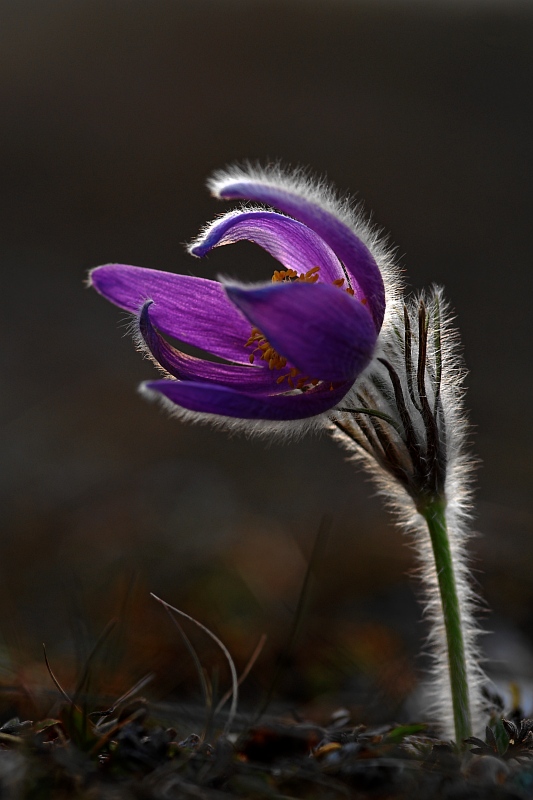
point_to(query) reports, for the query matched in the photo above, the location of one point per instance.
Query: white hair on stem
(380, 444)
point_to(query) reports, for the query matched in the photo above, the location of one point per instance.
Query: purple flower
(289, 349)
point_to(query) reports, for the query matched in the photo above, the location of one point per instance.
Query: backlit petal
(257, 378)
(220, 400)
(293, 244)
(356, 257)
(194, 310)
(320, 329)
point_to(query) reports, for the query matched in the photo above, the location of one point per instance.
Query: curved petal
(293, 244)
(321, 330)
(355, 256)
(188, 368)
(195, 310)
(226, 402)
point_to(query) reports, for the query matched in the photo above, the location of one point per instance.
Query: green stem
(434, 512)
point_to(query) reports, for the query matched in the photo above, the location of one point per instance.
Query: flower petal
(293, 244)
(356, 257)
(185, 367)
(323, 331)
(194, 310)
(221, 400)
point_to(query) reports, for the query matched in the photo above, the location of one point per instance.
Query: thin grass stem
(206, 693)
(56, 682)
(316, 554)
(246, 671)
(233, 671)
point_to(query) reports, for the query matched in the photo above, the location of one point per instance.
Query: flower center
(262, 347)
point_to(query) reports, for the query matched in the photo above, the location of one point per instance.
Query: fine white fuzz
(300, 182)
(288, 430)
(382, 446)
(206, 229)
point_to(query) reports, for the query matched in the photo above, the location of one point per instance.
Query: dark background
(113, 115)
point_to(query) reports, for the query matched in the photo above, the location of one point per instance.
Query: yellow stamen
(264, 349)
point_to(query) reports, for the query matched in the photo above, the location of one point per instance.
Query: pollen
(262, 348)
(290, 275)
(340, 283)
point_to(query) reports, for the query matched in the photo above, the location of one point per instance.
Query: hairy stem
(434, 512)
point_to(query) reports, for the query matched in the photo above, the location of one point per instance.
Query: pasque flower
(330, 341)
(288, 349)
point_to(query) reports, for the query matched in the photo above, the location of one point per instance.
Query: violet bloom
(291, 348)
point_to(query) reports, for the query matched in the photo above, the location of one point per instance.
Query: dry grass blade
(233, 671)
(206, 691)
(56, 682)
(84, 680)
(136, 688)
(126, 696)
(316, 554)
(246, 671)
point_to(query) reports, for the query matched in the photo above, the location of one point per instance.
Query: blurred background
(113, 116)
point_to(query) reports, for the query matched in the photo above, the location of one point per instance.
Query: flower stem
(434, 512)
